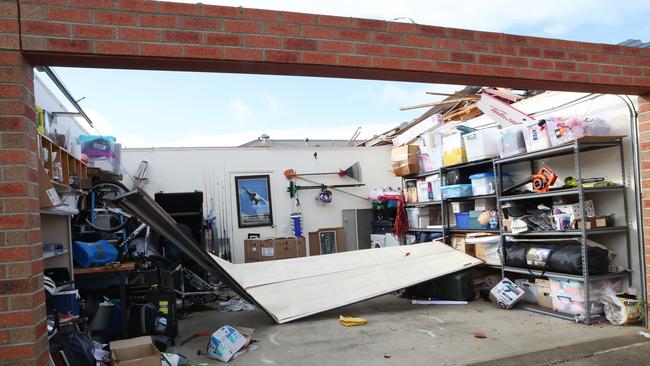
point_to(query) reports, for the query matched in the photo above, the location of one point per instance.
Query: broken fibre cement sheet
(294, 288)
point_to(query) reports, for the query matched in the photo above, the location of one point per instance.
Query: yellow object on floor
(348, 321)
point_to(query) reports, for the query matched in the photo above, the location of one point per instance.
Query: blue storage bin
(456, 191)
(462, 220)
(93, 254)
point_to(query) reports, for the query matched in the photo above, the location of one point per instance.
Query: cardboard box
(327, 235)
(575, 211)
(595, 222)
(251, 250)
(530, 290)
(138, 351)
(405, 160)
(506, 293)
(489, 253)
(47, 195)
(458, 243)
(543, 289)
(259, 250)
(225, 343)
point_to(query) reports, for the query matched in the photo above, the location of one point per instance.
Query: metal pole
(583, 232)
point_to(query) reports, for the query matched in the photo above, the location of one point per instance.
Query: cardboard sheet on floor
(294, 288)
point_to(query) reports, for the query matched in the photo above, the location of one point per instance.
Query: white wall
(46, 99)
(212, 170)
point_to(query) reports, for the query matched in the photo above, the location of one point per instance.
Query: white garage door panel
(295, 288)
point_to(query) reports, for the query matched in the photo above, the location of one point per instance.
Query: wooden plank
(442, 102)
(118, 267)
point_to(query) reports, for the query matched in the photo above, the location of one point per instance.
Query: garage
(508, 206)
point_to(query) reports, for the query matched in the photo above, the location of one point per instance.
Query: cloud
(243, 113)
(101, 124)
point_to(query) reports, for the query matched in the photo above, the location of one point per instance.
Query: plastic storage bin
(456, 191)
(453, 150)
(473, 220)
(462, 220)
(536, 136)
(562, 130)
(483, 183)
(511, 142)
(93, 254)
(568, 295)
(435, 194)
(481, 144)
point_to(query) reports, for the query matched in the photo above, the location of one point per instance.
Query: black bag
(557, 257)
(382, 226)
(77, 347)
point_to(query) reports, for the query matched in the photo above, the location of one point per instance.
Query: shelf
(471, 164)
(586, 144)
(422, 175)
(47, 255)
(470, 198)
(423, 204)
(593, 318)
(604, 230)
(559, 192)
(457, 230)
(539, 273)
(428, 230)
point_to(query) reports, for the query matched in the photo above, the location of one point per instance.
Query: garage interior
(506, 220)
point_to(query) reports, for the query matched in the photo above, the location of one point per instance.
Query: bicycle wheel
(99, 210)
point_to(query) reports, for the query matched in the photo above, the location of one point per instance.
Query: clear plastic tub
(511, 141)
(481, 144)
(456, 191)
(536, 136)
(483, 183)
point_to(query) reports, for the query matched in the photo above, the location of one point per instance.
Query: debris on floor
(236, 305)
(480, 335)
(348, 321)
(228, 342)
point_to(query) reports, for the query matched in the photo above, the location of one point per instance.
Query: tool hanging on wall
(294, 188)
(541, 181)
(354, 172)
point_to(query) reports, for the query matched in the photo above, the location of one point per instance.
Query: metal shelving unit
(575, 149)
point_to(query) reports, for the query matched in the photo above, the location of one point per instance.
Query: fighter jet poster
(254, 201)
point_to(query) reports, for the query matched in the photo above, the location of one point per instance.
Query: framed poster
(254, 201)
(327, 242)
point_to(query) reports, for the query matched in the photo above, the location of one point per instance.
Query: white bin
(536, 136)
(481, 144)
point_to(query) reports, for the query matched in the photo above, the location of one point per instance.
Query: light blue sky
(151, 108)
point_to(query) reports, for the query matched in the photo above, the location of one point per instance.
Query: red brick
(19, 173)
(433, 30)
(138, 5)
(101, 4)
(9, 9)
(530, 52)
(10, 58)
(475, 69)
(281, 29)
(577, 77)
(202, 52)
(319, 32)
(538, 63)
(4, 337)
(12, 124)
(240, 26)
(12, 107)
(624, 60)
(43, 28)
(399, 27)
(601, 79)
(555, 75)
(436, 55)
(449, 67)
(507, 72)
(578, 56)
(565, 66)
(70, 15)
(182, 37)
(161, 50)
(223, 39)
(115, 18)
(261, 14)
(591, 68)
(450, 44)
(516, 61)
(116, 48)
(599, 58)
(465, 34)
(338, 47)
(23, 237)
(418, 41)
(418, 65)
(179, 8)
(370, 49)
(68, 45)
(490, 59)
(357, 61)
(406, 52)
(512, 38)
(462, 57)
(556, 54)
(139, 34)
(301, 18)
(9, 41)
(477, 47)
(319, 58)
(243, 54)
(17, 352)
(334, 21)
(300, 44)
(13, 205)
(390, 38)
(201, 23)
(14, 221)
(354, 35)
(13, 156)
(221, 11)
(622, 80)
(159, 21)
(32, 299)
(11, 254)
(489, 37)
(91, 31)
(610, 69)
(282, 56)
(10, 91)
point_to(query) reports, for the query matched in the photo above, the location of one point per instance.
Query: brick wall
(239, 39)
(644, 160)
(23, 339)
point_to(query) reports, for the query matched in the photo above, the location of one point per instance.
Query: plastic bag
(622, 309)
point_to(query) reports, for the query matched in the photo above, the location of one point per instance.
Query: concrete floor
(399, 333)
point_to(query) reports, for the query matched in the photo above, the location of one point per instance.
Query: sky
(160, 108)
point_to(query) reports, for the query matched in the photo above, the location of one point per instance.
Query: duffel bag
(556, 257)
